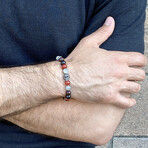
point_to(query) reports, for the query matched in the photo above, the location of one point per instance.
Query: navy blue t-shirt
(36, 31)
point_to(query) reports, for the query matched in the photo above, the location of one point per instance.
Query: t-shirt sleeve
(129, 16)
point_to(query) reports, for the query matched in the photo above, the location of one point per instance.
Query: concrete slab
(130, 142)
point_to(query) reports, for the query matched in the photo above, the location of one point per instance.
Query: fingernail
(108, 21)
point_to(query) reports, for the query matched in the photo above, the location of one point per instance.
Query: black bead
(63, 62)
(68, 92)
(61, 59)
(68, 96)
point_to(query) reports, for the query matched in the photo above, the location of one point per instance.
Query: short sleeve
(129, 16)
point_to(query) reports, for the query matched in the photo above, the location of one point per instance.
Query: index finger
(135, 59)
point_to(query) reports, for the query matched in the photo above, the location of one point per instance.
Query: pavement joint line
(110, 145)
(131, 136)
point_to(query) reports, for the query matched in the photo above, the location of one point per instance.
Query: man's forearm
(27, 86)
(93, 123)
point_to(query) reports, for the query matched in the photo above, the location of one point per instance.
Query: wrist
(43, 81)
(54, 68)
(72, 75)
(78, 79)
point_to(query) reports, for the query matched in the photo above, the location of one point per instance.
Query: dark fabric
(35, 31)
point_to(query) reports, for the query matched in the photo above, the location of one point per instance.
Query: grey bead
(65, 71)
(68, 87)
(66, 77)
(58, 57)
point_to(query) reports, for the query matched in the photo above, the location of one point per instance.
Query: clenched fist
(98, 75)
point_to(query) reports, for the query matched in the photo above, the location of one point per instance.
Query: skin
(29, 86)
(103, 76)
(98, 75)
(93, 122)
(78, 121)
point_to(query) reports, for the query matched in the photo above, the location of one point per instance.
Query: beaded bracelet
(66, 77)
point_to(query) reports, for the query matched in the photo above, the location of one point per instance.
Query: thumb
(104, 32)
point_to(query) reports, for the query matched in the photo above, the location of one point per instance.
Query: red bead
(64, 66)
(67, 82)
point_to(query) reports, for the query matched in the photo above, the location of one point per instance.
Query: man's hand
(98, 75)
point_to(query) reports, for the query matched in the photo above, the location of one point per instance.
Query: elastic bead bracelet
(66, 77)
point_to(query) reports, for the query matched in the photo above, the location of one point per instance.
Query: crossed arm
(88, 122)
(77, 121)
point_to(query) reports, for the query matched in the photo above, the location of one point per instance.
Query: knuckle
(85, 41)
(117, 58)
(103, 31)
(119, 72)
(111, 93)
